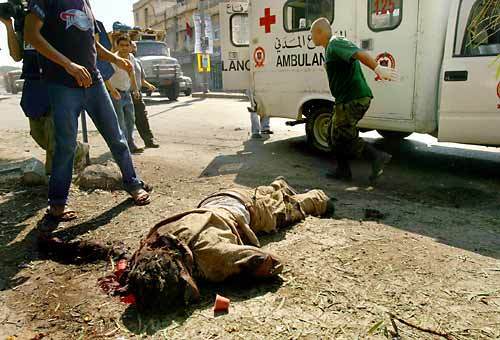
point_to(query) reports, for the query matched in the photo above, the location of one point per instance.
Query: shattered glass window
(478, 28)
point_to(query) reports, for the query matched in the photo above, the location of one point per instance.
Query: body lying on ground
(214, 242)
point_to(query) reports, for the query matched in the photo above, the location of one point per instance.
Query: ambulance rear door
(469, 109)
(389, 33)
(235, 36)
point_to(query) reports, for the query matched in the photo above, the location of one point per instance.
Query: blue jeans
(66, 104)
(126, 115)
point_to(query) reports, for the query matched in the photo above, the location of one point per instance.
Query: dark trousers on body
(142, 121)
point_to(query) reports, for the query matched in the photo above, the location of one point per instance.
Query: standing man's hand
(136, 94)
(387, 73)
(80, 73)
(115, 94)
(384, 73)
(124, 64)
(151, 88)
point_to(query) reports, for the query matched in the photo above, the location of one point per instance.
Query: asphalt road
(192, 116)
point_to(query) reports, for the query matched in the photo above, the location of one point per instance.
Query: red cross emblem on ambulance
(268, 20)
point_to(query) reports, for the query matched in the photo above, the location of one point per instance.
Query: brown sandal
(141, 197)
(66, 216)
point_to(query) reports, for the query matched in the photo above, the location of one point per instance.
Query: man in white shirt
(122, 86)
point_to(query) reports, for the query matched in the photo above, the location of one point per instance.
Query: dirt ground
(433, 260)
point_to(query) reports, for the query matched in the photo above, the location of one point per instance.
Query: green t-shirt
(345, 76)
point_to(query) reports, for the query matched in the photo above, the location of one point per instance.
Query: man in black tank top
(35, 98)
(63, 32)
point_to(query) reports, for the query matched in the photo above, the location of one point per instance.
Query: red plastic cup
(221, 304)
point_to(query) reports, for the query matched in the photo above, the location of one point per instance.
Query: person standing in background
(260, 125)
(141, 113)
(122, 86)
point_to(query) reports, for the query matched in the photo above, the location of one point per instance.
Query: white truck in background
(446, 52)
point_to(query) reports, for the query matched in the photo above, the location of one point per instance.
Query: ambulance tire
(394, 135)
(317, 126)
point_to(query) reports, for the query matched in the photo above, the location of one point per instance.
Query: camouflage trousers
(344, 133)
(42, 132)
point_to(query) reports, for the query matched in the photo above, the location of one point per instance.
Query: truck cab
(161, 70)
(445, 52)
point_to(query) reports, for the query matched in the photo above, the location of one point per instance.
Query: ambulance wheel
(187, 92)
(318, 122)
(394, 135)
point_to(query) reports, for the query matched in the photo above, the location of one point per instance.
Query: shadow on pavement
(153, 101)
(15, 254)
(177, 106)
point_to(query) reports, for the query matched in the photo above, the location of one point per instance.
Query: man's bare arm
(104, 54)
(15, 49)
(33, 36)
(147, 84)
(133, 79)
(366, 59)
(112, 90)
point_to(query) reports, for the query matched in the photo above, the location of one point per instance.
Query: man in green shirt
(352, 99)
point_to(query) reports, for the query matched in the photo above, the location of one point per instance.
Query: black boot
(152, 144)
(379, 160)
(343, 170)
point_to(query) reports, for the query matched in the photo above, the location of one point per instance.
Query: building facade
(176, 18)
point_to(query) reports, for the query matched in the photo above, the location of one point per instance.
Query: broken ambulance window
(298, 15)
(384, 15)
(240, 30)
(478, 29)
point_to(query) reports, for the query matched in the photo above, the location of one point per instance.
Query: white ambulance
(446, 52)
